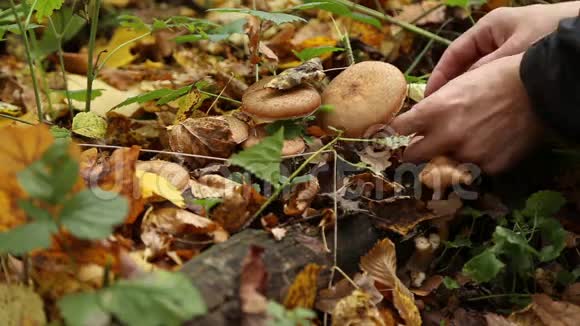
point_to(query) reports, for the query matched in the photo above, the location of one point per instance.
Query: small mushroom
(269, 104)
(291, 146)
(420, 261)
(442, 173)
(365, 94)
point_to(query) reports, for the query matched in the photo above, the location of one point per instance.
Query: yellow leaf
(356, 309)
(302, 292)
(188, 104)
(381, 264)
(20, 305)
(155, 185)
(123, 55)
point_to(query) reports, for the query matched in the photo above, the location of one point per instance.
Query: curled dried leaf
(356, 309)
(172, 172)
(301, 197)
(308, 72)
(204, 136)
(238, 207)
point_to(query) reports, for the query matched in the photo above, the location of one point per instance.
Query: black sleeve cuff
(550, 72)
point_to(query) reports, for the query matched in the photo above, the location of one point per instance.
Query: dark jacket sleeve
(550, 72)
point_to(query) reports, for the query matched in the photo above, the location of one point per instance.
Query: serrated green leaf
(90, 125)
(338, 9)
(81, 94)
(544, 203)
(483, 267)
(34, 212)
(163, 96)
(25, 238)
(310, 53)
(160, 298)
(60, 133)
(450, 283)
(275, 17)
(134, 22)
(92, 213)
(263, 159)
(553, 239)
(293, 128)
(52, 176)
(83, 309)
(44, 8)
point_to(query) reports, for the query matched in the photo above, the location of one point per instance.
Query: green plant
(533, 236)
(52, 204)
(280, 316)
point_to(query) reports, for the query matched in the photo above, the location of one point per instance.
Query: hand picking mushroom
(365, 94)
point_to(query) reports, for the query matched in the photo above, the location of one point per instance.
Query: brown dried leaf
(402, 215)
(301, 197)
(253, 29)
(253, 282)
(555, 313)
(328, 298)
(173, 172)
(204, 136)
(119, 176)
(308, 72)
(237, 207)
(212, 186)
(572, 293)
(430, 285)
(381, 264)
(302, 292)
(356, 309)
(267, 52)
(497, 320)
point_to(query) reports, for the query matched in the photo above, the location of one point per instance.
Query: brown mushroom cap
(365, 94)
(268, 104)
(442, 173)
(291, 146)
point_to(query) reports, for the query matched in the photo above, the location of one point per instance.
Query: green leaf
(81, 94)
(503, 236)
(483, 267)
(553, 239)
(134, 22)
(51, 177)
(366, 19)
(160, 298)
(34, 212)
(293, 128)
(207, 203)
(66, 24)
(27, 237)
(92, 213)
(450, 283)
(163, 96)
(44, 8)
(82, 309)
(263, 159)
(459, 242)
(544, 203)
(457, 3)
(280, 316)
(90, 125)
(275, 17)
(60, 134)
(310, 53)
(333, 7)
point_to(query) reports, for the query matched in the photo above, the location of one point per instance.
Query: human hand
(503, 32)
(483, 117)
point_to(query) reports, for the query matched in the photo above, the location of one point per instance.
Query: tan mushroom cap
(291, 146)
(442, 173)
(365, 94)
(268, 104)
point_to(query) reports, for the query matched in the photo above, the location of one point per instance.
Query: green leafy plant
(338, 9)
(275, 17)
(89, 214)
(159, 298)
(535, 237)
(280, 316)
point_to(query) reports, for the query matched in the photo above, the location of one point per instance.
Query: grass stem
(94, 8)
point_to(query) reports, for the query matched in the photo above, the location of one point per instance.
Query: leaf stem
(393, 20)
(502, 295)
(289, 180)
(110, 54)
(221, 97)
(94, 7)
(29, 60)
(61, 62)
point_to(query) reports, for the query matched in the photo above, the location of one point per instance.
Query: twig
(94, 7)
(29, 59)
(419, 57)
(220, 94)
(221, 97)
(502, 295)
(289, 181)
(393, 20)
(7, 116)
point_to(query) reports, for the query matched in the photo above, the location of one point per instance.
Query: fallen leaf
(154, 185)
(20, 306)
(177, 175)
(302, 292)
(188, 104)
(402, 215)
(328, 298)
(123, 55)
(238, 207)
(301, 197)
(90, 125)
(253, 282)
(310, 71)
(552, 312)
(381, 264)
(212, 186)
(204, 136)
(430, 285)
(119, 176)
(356, 309)
(572, 293)
(278, 233)
(253, 31)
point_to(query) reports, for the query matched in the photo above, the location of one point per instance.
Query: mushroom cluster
(267, 105)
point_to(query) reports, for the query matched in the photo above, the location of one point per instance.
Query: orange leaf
(302, 293)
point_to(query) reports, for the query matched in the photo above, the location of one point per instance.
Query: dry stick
(393, 20)
(29, 59)
(7, 116)
(219, 95)
(288, 181)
